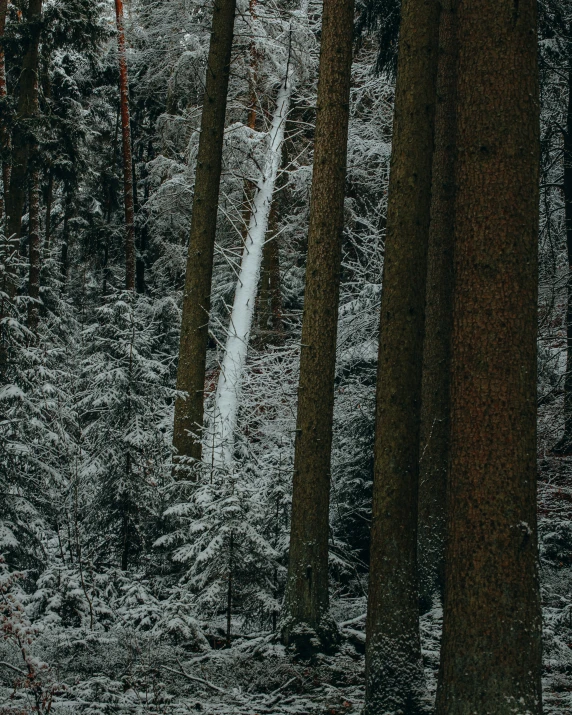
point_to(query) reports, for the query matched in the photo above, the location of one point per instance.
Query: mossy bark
(491, 648)
(198, 280)
(394, 673)
(306, 605)
(434, 434)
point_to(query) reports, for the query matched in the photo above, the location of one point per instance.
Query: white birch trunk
(232, 368)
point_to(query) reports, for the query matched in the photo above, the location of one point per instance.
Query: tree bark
(269, 306)
(198, 280)
(394, 673)
(434, 430)
(49, 201)
(565, 444)
(34, 249)
(307, 599)
(127, 160)
(26, 109)
(4, 132)
(491, 648)
(21, 134)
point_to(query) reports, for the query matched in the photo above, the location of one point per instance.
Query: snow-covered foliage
(122, 581)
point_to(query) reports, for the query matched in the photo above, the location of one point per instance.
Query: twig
(195, 679)
(286, 684)
(13, 667)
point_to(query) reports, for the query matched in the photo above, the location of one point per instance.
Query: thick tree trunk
(394, 673)
(34, 249)
(307, 600)
(434, 432)
(21, 134)
(127, 160)
(197, 292)
(491, 648)
(565, 444)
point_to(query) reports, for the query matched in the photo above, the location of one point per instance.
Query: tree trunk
(229, 592)
(269, 306)
(307, 600)
(232, 368)
(34, 249)
(127, 161)
(434, 431)
(27, 108)
(66, 233)
(394, 673)
(49, 201)
(565, 444)
(4, 132)
(197, 293)
(491, 648)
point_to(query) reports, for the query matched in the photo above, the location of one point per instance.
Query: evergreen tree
(196, 297)
(393, 657)
(307, 596)
(434, 429)
(491, 648)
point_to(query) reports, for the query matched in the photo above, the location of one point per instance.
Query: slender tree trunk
(127, 160)
(229, 592)
(34, 249)
(232, 369)
(269, 305)
(197, 292)
(66, 233)
(49, 201)
(565, 444)
(394, 673)
(307, 599)
(7, 288)
(27, 108)
(491, 648)
(4, 132)
(434, 432)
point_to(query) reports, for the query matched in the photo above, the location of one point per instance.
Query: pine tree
(434, 430)
(196, 298)
(393, 654)
(491, 648)
(307, 596)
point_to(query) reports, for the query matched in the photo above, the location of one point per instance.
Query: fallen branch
(195, 679)
(13, 667)
(289, 682)
(353, 621)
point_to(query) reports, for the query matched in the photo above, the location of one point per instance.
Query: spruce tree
(393, 653)
(491, 647)
(196, 297)
(434, 431)
(307, 598)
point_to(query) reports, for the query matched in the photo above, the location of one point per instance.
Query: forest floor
(129, 673)
(74, 670)
(121, 672)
